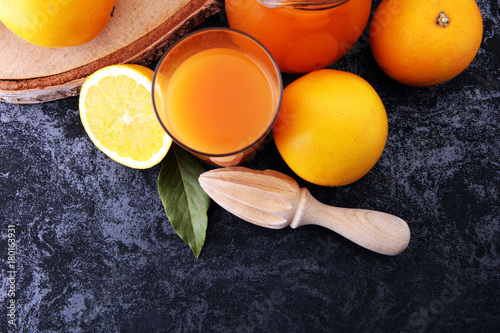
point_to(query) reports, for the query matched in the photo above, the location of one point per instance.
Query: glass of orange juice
(302, 35)
(217, 93)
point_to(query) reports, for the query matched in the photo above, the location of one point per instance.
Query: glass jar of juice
(302, 36)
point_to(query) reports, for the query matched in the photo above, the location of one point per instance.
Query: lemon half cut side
(117, 113)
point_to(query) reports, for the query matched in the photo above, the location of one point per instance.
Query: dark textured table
(96, 253)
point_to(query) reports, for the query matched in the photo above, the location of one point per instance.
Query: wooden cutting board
(138, 32)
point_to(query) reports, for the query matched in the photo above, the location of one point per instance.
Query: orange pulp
(220, 101)
(301, 40)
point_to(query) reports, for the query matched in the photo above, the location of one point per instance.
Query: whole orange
(424, 43)
(331, 128)
(56, 23)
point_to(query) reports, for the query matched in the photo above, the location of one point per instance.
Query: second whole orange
(424, 43)
(332, 127)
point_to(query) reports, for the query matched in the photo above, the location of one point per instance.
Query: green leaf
(185, 202)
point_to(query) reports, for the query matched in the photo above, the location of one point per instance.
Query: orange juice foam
(220, 101)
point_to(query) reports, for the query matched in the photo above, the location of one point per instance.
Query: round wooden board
(139, 32)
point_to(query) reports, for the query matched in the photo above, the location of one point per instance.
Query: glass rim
(302, 4)
(280, 91)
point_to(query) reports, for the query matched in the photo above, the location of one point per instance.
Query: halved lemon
(117, 113)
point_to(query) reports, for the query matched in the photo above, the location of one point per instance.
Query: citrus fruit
(56, 23)
(331, 128)
(424, 43)
(117, 113)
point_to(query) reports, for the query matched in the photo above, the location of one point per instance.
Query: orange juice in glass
(301, 35)
(217, 93)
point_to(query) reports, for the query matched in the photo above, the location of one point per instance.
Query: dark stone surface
(96, 253)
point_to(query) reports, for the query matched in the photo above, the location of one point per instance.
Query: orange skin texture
(59, 23)
(332, 127)
(411, 46)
